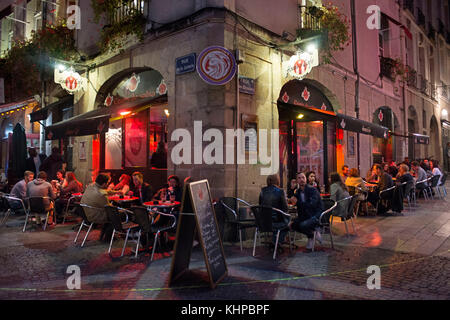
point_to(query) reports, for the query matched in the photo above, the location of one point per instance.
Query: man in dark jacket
(34, 161)
(273, 196)
(385, 182)
(52, 164)
(141, 189)
(309, 208)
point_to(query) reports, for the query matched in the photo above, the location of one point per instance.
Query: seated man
(41, 188)
(273, 196)
(309, 207)
(141, 189)
(20, 190)
(421, 175)
(385, 182)
(96, 196)
(175, 192)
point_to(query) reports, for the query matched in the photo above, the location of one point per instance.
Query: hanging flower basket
(330, 24)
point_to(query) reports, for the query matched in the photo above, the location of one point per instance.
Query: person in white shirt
(434, 166)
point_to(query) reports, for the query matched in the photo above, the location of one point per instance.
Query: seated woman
(275, 197)
(312, 180)
(339, 191)
(123, 186)
(434, 166)
(372, 176)
(160, 195)
(355, 181)
(73, 186)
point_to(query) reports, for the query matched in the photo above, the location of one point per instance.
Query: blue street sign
(246, 85)
(185, 64)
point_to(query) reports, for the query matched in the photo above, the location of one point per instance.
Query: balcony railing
(387, 68)
(433, 91)
(127, 9)
(412, 78)
(309, 18)
(424, 85)
(444, 90)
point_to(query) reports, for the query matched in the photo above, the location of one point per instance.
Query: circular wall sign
(216, 65)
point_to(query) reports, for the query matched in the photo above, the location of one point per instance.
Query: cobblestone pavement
(411, 250)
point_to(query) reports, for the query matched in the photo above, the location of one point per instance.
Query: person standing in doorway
(34, 161)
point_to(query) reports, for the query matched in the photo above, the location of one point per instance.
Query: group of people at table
(305, 195)
(101, 192)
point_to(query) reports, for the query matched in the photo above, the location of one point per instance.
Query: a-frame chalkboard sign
(197, 213)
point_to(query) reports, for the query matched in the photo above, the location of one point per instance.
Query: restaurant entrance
(307, 126)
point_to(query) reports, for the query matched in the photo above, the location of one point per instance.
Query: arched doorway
(307, 131)
(413, 127)
(434, 148)
(386, 150)
(138, 124)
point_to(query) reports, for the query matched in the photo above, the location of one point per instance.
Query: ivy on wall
(27, 63)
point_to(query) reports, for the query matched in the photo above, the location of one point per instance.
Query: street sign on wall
(246, 85)
(185, 64)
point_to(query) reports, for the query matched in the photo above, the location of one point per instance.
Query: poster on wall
(351, 144)
(310, 148)
(82, 150)
(135, 142)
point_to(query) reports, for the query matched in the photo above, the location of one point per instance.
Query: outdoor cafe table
(161, 204)
(124, 200)
(371, 186)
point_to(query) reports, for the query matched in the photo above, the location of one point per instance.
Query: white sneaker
(310, 244)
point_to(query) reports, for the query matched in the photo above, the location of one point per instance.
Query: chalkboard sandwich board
(197, 213)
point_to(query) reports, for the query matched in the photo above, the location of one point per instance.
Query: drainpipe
(237, 106)
(355, 69)
(405, 110)
(44, 84)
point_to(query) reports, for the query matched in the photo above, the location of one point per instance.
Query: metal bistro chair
(386, 195)
(37, 206)
(121, 228)
(141, 217)
(233, 214)
(357, 191)
(409, 191)
(165, 222)
(85, 222)
(8, 203)
(326, 220)
(72, 202)
(264, 224)
(423, 187)
(434, 181)
(349, 205)
(441, 187)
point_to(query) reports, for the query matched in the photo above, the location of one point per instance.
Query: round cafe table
(125, 199)
(161, 204)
